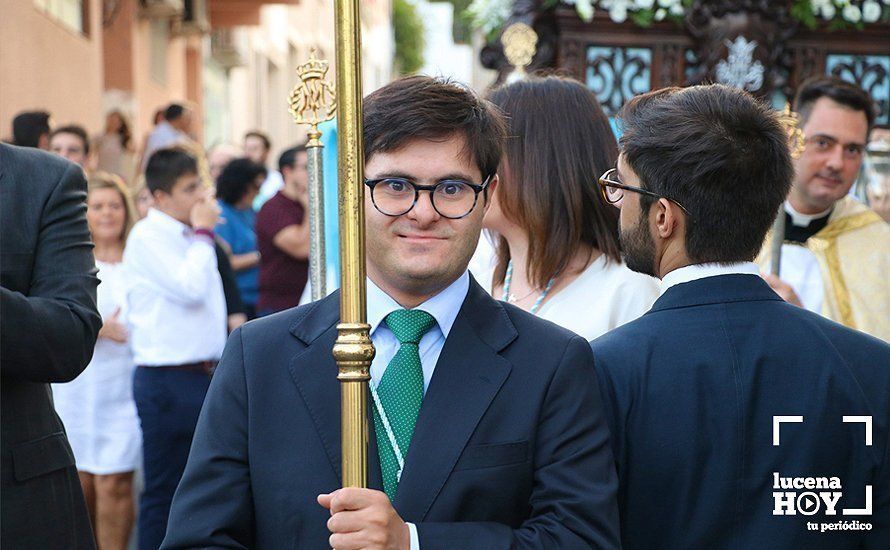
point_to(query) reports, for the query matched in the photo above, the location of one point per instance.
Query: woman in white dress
(97, 408)
(557, 254)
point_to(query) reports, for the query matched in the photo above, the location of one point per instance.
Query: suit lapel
(468, 375)
(315, 373)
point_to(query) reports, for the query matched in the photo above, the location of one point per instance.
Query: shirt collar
(444, 306)
(167, 222)
(700, 271)
(804, 220)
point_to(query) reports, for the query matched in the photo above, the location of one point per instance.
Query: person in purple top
(282, 232)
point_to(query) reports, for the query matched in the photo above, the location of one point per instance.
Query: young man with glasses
(486, 423)
(694, 389)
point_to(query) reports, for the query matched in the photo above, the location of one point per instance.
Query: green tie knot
(409, 325)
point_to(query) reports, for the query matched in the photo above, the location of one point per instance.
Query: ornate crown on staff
(520, 42)
(796, 139)
(313, 100)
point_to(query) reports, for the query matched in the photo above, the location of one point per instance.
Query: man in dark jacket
(738, 420)
(48, 328)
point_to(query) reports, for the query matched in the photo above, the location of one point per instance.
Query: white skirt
(99, 413)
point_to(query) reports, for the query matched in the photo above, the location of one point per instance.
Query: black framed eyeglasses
(452, 199)
(613, 190)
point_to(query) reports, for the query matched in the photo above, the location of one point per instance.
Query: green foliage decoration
(409, 37)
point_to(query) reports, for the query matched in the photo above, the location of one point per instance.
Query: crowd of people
(163, 301)
(643, 244)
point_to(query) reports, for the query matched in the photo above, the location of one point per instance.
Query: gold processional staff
(353, 350)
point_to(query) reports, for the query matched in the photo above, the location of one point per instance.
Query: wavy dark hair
(558, 143)
(236, 178)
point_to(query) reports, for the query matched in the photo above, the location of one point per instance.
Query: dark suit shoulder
(33, 170)
(541, 348)
(866, 357)
(273, 328)
(637, 333)
(625, 353)
(290, 330)
(861, 352)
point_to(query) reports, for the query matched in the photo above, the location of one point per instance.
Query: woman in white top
(557, 252)
(97, 408)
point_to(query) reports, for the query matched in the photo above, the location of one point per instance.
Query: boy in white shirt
(177, 316)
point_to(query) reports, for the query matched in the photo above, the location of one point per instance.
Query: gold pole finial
(796, 138)
(520, 42)
(313, 100)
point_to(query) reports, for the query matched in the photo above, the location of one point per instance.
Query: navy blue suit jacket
(510, 448)
(690, 391)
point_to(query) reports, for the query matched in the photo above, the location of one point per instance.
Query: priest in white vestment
(836, 253)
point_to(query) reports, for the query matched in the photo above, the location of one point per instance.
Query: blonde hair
(106, 180)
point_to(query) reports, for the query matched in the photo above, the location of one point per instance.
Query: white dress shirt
(700, 271)
(444, 308)
(176, 309)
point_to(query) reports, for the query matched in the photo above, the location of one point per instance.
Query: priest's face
(637, 245)
(836, 136)
(417, 254)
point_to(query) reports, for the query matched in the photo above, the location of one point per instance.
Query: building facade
(234, 61)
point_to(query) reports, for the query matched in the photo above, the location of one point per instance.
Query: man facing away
(282, 232)
(177, 315)
(487, 429)
(836, 254)
(31, 129)
(723, 389)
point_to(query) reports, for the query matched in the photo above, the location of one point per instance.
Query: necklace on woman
(510, 298)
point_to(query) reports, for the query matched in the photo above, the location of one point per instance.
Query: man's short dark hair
(289, 156)
(422, 107)
(236, 178)
(260, 136)
(27, 128)
(75, 130)
(836, 89)
(720, 153)
(174, 111)
(165, 166)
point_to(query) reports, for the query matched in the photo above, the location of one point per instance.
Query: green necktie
(400, 393)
